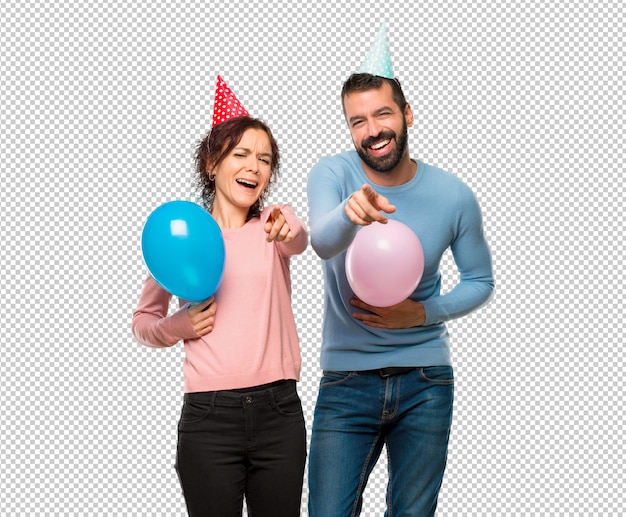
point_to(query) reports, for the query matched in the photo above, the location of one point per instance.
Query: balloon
(183, 249)
(384, 263)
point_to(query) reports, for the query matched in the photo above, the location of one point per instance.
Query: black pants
(240, 443)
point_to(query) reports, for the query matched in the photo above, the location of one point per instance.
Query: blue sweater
(444, 213)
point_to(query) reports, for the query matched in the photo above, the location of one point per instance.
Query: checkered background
(102, 104)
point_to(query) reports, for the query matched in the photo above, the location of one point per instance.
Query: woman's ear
(210, 169)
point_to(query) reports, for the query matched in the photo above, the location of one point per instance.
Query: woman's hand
(277, 228)
(202, 316)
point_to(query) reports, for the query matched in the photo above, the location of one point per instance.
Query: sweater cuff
(181, 324)
(431, 312)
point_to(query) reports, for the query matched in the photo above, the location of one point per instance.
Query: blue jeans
(242, 443)
(359, 412)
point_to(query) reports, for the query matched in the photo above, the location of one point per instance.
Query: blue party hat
(378, 60)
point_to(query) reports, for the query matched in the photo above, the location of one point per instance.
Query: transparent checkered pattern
(101, 107)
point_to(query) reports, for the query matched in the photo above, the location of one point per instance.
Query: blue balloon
(183, 249)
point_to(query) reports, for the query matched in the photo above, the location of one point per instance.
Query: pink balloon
(384, 263)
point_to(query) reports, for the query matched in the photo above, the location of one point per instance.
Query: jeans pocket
(333, 378)
(438, 374)
(288, 404)
(193, 412)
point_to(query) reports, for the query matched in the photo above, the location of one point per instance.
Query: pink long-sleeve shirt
(254, 340)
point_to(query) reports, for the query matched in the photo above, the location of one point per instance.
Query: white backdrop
(101, 107)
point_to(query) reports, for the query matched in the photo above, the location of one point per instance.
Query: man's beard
(390, 161)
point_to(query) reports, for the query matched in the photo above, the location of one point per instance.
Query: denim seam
(338, 381)
(389, 484)
(442, 382)
(362, 478)
(393, 413)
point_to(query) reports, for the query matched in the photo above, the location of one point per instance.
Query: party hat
(378, 60)
(226, 105)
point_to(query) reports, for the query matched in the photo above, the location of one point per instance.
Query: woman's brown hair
(216, 145)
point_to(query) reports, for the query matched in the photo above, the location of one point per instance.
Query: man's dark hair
(364, 82)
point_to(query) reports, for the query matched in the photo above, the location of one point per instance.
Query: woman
(241, 432)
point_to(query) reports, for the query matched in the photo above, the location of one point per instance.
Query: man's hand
(365, 205)
(403, 315)
(202, 316)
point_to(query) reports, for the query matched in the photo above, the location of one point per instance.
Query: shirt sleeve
(331, 230)
(151, 326)
(473, 260)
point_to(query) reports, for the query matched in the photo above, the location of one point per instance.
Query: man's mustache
(383, 135)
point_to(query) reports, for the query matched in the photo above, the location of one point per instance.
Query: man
(387, 374)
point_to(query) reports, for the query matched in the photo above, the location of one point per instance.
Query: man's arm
(335, 218)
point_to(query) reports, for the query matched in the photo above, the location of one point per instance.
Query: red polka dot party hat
(226, 105)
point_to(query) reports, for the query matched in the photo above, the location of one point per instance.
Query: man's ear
(408, 115)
